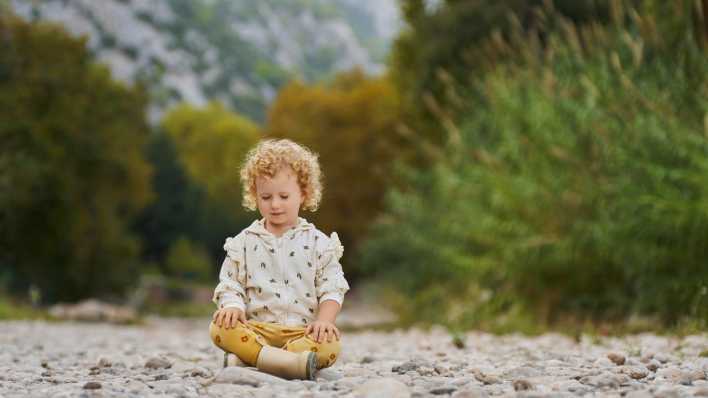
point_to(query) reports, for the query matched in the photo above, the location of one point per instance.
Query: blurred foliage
(442, 43)
(12, 309)
(572, 183)
(189, 261)
(352, 124)
(196, 156)
(211, 143)
(179, 208)
(73, 174)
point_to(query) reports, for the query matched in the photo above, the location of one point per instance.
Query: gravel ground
(175, 358)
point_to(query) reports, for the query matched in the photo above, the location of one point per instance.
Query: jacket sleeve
(330, 283)
(230, 292)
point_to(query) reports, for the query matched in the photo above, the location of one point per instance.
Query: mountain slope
(236, 51)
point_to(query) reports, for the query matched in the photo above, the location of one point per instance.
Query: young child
(281, 285)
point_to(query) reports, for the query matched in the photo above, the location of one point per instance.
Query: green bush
(574, 183)
(188, 260)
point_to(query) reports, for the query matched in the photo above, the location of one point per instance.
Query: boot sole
(311, 366)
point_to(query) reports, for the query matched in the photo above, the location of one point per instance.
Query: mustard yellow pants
(246, 341)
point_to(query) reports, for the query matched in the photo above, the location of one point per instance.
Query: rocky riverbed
(168, 357)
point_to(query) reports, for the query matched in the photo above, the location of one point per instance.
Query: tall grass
(574, 184)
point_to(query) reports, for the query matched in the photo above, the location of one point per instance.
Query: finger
(337, 333)
(330, 334)
(219, 318)
(234, 320)
(308, 330)
(227, 319)
(213, 317)
(243, 317)
(316, 337)
(323, 334)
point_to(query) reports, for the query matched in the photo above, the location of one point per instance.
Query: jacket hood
(258, 228)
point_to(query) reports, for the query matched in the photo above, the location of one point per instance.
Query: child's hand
(322, 329)
(229, 317)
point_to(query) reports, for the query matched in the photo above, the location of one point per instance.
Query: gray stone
(486, 378)
(470, 392)
(604, 363)
(406, 367)
(573, 386)
(383, 387)
(92, 385)
(329, 374)
(247, 376)
(653, 365)
(522, 385)
(158, 363)
(616, 358)
(443, 390)
(198, 372)
(635, 373)
(661, 357)
(93, 310)
(522, 372)
(605, 380)
(639, 394)
(667, 392)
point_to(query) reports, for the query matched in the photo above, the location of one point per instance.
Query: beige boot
(286, 364)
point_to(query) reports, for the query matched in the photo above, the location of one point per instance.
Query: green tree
(211, 144)
(73, 173)
(208, 147)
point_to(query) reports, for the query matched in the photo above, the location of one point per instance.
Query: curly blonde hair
(272, 155)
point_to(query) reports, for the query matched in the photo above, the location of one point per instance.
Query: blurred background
(515, 165)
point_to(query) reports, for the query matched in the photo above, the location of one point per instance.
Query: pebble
(158, 363)
(653, 365)
(485, 378)
(170, 357)
(616, 358)
(384, 387)
(92, 385)
(443, 390)
(246, 376)
(522, 385)
(474, 392)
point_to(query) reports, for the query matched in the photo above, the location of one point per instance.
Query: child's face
(279, 198)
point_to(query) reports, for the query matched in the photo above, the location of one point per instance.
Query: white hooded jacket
(281, 279)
